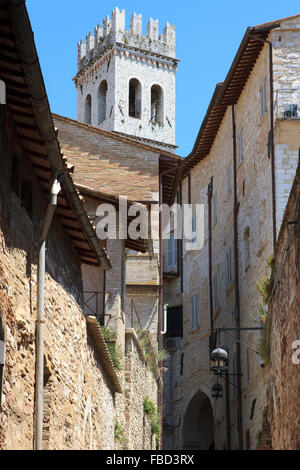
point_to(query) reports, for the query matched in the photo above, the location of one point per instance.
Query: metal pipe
(40, 322)
(237, 286)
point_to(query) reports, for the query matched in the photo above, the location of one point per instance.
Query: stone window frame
(195, 312)
(102, 101)
(263, 98)
(158, 118)
(172, 250)
(136, 111)
(229, 266)
(215, 293)
(87, 118)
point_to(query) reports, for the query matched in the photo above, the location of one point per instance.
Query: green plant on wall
(109, 337)
(152, 357)
(119, 433)
(265, 287)
(154, 417)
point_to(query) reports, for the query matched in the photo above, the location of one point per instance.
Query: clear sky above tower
(208, 35)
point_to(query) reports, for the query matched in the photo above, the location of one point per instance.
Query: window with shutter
(194, 311)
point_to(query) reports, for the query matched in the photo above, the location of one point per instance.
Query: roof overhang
(140, 245)
(228, 92)
(28, 104)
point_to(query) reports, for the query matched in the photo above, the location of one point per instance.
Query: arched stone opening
(198, 424)
(88, 110)
(102, 91)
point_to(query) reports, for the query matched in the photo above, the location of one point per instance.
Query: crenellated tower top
(113, 32)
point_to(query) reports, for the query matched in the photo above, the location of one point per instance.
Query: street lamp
(219, 358)
(217, 391)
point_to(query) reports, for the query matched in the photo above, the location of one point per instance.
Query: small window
(215, 209)
(194, 311)
(88, 110)
(263, 98)
(135, 98)
(172, 250)
(102, 92)
(157, 104)
(228, 179)
(240, 146)
(229, 271)
(215, 292)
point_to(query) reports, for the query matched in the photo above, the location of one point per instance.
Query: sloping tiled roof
(228, 92)
(115, 164)
(28, 104)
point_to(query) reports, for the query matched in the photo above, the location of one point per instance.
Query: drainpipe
(237, 287)
(253, 36)
(40, 322)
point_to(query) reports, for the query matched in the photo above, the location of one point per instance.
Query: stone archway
(198, 424)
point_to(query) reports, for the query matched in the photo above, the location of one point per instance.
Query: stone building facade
(126, 81)
(230, 172)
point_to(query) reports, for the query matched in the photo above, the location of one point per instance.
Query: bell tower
(126, 80)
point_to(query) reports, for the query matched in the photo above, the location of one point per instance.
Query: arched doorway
(198, 424)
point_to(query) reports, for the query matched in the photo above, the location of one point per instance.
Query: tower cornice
(133, 53)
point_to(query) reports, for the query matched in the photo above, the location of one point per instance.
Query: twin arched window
(102, 92)
(135, 101)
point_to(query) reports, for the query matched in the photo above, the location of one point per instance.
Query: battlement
(113, 31)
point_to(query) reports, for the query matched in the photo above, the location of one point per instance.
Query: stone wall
(254, 247)
(284, 330)
(79, 400)
(140, 383)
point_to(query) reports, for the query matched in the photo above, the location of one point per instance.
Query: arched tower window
(88, 110)
(157, 104)
(102, 91)
(135, 98)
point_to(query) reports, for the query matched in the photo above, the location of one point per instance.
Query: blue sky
(208, 34)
